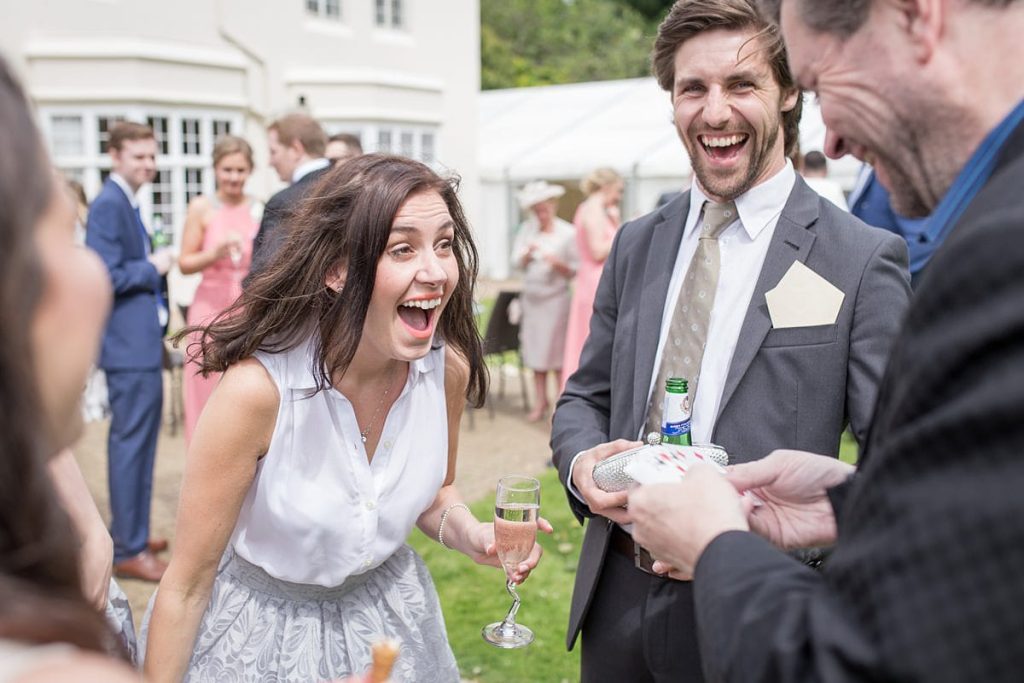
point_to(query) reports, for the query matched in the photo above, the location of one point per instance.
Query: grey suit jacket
(786, 388)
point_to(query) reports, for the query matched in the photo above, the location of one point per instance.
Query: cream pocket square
(803, 298)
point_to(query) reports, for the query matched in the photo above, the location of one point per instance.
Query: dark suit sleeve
(266, 241)
(105, 234)
(882, 300)
(924, 583)
(763, 616)
(581, 418)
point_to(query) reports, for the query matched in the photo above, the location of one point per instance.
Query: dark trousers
(136, 402)
(639, 628)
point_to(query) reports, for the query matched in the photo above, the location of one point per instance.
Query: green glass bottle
(161, 238)
(675, 415)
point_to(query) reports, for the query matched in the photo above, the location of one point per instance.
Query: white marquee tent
(560, 133)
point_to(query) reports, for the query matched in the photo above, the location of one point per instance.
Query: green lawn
(473, 596)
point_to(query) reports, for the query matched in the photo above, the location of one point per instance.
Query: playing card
(666, 464)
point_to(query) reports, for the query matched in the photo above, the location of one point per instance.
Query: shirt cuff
(568, 479)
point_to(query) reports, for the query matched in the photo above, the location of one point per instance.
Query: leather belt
(623, 543)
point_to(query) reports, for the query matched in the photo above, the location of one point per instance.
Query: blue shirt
(969, 182)
(871, 204)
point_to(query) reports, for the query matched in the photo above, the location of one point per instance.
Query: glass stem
(510, 618)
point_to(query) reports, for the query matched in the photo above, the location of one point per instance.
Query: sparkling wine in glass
(516, 506)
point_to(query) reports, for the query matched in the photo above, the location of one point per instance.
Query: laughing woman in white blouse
(334, 431)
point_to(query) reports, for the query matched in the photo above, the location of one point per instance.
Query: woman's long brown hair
(345, 220)
(38, 547)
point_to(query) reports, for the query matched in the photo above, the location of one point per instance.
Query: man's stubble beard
(757, 161)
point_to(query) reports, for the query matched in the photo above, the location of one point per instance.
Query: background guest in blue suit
(869, 202)
(132, 350)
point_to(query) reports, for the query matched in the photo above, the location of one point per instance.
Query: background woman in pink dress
(217, 241)
(596, 221)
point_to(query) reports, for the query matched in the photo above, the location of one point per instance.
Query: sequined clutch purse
(610, 475)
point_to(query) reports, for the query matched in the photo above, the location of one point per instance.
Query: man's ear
(336, 277)
(923, 21)
(790, 99)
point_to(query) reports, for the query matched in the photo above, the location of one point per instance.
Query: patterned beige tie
(688, 329)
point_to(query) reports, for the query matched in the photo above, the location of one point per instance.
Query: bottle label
(675, 419)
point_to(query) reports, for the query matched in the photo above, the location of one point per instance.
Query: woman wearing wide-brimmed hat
(546, 253)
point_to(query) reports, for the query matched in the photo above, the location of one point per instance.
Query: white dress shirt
(742, 248)
(305, 169)
(318, 511)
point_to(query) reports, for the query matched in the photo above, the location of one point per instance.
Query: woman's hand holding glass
(483, 549)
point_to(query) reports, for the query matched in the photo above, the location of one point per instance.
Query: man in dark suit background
(342, 147)
(924, 581)
(671, 303)
(297, 144)
(870, 202)
(132, 351)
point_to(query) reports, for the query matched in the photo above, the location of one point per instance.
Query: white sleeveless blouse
(317, 511)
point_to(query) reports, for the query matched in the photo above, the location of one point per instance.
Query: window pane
(103, 125)
(162, 197)
(427, 148)
(406, 144)
(190, 136)
(67, 136)
(332, 8)
(159, 126)
(76, 174)
(382, 13)
(313, 6)
(383, 140)
(193, 183)
(396, 13)
(221, 127)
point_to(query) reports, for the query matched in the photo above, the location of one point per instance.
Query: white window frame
(322, 10)
(385, 17)
(369, 134)
(91, 163)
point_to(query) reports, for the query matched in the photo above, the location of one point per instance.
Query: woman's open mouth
(418, 315)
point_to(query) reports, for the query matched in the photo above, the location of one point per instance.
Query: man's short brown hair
(128, 130)
(688, 18)
(303, 128)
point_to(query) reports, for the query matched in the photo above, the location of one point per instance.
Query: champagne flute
(516, 507)
(235, 250)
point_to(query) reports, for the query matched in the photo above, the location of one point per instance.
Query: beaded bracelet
(444, 518)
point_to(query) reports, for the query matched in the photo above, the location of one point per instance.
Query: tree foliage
(543, 42)
(653, 10)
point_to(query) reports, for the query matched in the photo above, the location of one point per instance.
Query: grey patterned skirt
(259, 628)
(119, 616)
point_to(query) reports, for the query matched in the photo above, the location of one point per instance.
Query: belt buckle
(642, 559)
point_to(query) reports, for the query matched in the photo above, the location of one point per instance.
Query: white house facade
(402, 74)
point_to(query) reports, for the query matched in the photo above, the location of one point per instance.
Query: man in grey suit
(683, 293)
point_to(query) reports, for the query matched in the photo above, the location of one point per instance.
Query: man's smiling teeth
(425, 304)
(725, 141)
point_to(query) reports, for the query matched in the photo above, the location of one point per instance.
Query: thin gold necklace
(363, 433)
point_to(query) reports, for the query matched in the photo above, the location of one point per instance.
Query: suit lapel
(134, 230)
(791, 242)
(661, 258)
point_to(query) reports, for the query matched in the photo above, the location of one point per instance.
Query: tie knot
(717, 217)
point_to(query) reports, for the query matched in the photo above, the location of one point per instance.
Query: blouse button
(387, 444)
(370, 505)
